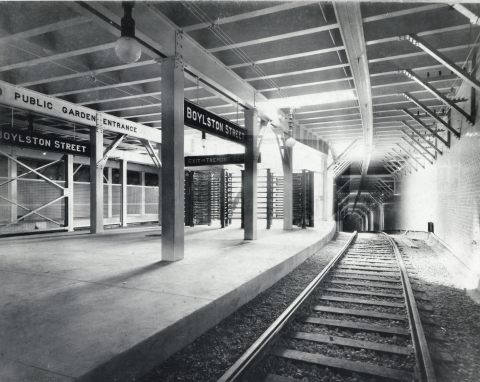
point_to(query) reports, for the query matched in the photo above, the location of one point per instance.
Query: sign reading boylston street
(204, 120)
(23, 138)
(26, 99)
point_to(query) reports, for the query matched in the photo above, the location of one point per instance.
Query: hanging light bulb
(204, 140)
(128, 48)
(290, 141)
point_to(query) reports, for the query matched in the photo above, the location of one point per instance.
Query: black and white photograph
(239, 191)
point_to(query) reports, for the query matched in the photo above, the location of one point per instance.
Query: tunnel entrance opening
(353, 223)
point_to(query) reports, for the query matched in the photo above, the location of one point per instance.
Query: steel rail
(241, 365)
(424, 361)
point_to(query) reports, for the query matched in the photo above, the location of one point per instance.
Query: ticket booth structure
(51, 150)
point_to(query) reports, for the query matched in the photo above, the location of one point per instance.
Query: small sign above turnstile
(216, 160)
(209, 160)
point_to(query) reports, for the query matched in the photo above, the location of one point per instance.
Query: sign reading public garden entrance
(26, 99)
(16, 137)
(204, 120)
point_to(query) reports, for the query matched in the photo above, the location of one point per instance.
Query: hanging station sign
(204, 120)
(215, 160)
(16, 137)
(26, 99)
(123, 126)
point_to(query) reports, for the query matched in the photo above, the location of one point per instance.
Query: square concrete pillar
(381, 218)
(109, 192)
(142, 193)
(68, 204)
(287, 188)
(250, 175)
(172, 153)
(12, 189)
(325, 184)
(123, 193)
(96, 180)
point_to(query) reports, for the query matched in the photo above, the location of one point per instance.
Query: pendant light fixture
(128, 48)
(290, 141)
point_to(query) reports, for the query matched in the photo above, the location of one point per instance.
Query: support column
(12, 189)
(325, 188)
(173, 170)
(142, 193)
(302, 133)
(287, 189)
(68, 204)
(250, 176)
(109, 192)
(372, 221)
(123, 193)
(96, 181)
(381, 222)
(159, 177)
(310, 139)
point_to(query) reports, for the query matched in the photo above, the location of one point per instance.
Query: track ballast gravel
(456, 315)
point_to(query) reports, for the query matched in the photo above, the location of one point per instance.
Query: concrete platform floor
(104, 308)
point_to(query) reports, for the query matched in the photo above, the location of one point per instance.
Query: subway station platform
(103, 307)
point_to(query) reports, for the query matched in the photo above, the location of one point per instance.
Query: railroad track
(358, 320)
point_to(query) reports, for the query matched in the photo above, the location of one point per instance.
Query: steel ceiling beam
(160, 38)
(472, 17)
(324, 28)
(416, 54)
(48, 28)
(59, 56)
(432, 114)
(349, 17)
(432, 145)
(444, 60)
(425, 126)
(282, 36)
(248, 15)
(296, 72)
(418, 150)
(437, 94)
(406, 158)
(451, 29)
(290, 57)
(87, 73)
(402, 162)
(105, 87)
(305, 84)
(410, 155)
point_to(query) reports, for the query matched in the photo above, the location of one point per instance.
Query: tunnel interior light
(311, 99)
(128, 48)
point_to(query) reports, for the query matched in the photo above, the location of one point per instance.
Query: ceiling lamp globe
(290, 142)
(128, 49)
